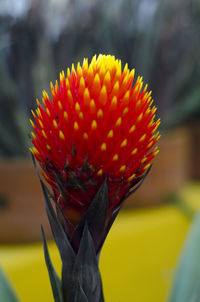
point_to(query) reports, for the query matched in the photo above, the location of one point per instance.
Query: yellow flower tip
(62, 76)
(100, 172)
(48, 112)
(125, 80)
(132, 73)
(80, 115)
(97, 80)
(125, 111)
(156, 152)
(81, 86)
(85, 136)
(85, 64)
(139, 118)
(68, 72)
(147, 166)
(100, 113)
(33, 134)
(118, 69)
(65, 114)
(103, 147)
(135, 150)
(124, 143)
(86, 96)
(73, 68)
(67, 83)
(158, 136)
(38, 112)
(123, 168)
(132, 129)
(92, 106)
(126, 97)
(82, 82)
(90, 74)
(94, 125)
(41, 124)
(55, 124)
(125, 67)
(150, 145)
(118, 122)
(48, 147)
(115, 90)
(76, 126)
(44, 134)
(77, 107)
(60, 105)
(107, 78)
(110, 134)
(142, 138)
(144, 159)
(32, 124)
(113, 104)
(57, 87)
(61, 135)
(103, 95)
(38, 103)
(33, 113)
(45, 95)
(51, 87)
(131, 177)
(102, 71)
(79, 69)
(115, 157)
(69, 94)
(34, 151)
(138, 104)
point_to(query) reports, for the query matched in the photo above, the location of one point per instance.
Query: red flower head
(97, 124)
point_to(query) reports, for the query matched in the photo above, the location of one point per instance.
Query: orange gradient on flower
(98, 122)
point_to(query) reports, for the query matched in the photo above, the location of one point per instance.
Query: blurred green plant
(11, 126)
(7, 293)
(186, 285)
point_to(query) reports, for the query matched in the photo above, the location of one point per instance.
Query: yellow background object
(137, 260)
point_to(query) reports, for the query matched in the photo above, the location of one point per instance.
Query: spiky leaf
(86, 268)
(54, 278)
(95, 217)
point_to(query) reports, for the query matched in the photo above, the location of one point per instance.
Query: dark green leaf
(86, 269)
(62, 242)
(80, 295)
(60, 237)
(96, 217)
(54, 278)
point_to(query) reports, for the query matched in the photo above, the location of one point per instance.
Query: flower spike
(94, 140)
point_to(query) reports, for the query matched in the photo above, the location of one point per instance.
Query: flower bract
(99, 122)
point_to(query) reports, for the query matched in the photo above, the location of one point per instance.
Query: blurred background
(160, 39)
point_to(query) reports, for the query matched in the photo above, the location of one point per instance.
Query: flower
(98, 124)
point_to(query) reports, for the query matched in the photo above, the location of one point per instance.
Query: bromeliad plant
(94, 140)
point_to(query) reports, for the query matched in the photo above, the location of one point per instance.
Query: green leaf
(95, 217)
(7, 293)
(80, 295)
(187, 278)
(54, 278)
(65, 249)
(86, 268)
